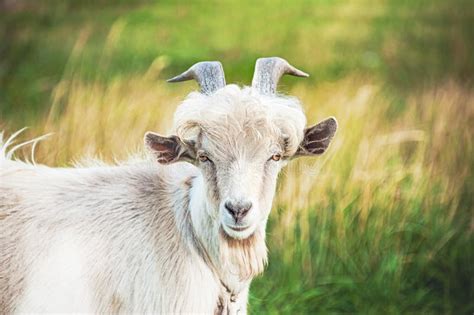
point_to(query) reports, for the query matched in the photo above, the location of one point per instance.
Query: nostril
(244, 209)
(230, 208)
(244, 212)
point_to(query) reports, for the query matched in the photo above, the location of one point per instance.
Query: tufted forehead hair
(234, 114)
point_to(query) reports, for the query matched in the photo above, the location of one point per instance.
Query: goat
(184, 235)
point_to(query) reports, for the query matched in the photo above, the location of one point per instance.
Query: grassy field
(383, 223)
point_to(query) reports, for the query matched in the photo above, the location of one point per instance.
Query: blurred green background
(385, 225)
(406, 44)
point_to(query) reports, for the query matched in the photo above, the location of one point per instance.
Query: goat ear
(317, 138)
(169, 149)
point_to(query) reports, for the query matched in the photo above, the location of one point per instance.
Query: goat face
(240, 169)
(240, 140)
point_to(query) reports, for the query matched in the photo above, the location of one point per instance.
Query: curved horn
(208, 74)
(268, 72)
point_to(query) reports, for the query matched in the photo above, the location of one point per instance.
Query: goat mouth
(235, 234)
(238, 228)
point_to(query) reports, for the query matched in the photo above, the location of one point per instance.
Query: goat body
(101, 240)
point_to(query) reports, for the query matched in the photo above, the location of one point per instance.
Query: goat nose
(238, 210)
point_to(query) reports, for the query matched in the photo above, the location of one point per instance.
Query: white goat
(184, 237)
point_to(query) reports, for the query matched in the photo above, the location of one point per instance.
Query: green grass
(382, 223)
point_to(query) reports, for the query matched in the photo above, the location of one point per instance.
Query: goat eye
(203, 158)
(276, 157)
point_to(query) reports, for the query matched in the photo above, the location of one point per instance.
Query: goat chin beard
(246, 256)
